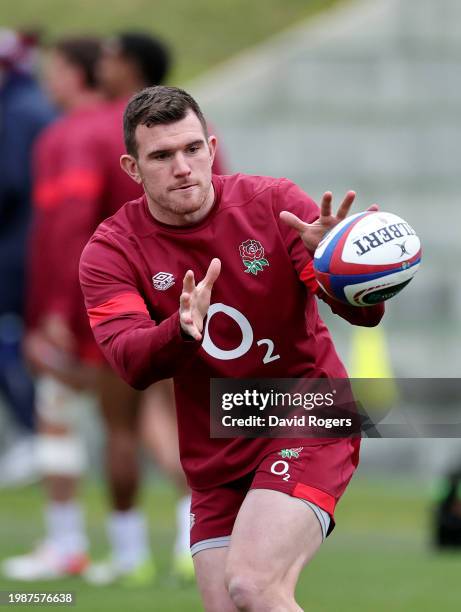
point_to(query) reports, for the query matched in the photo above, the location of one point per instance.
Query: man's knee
(254, 591)
(246, 588)
(243, 590)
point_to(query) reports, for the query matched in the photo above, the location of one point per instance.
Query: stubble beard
(177, 211)
(181, 205)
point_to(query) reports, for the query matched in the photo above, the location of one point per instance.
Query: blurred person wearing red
(24, 112)
(64, 183)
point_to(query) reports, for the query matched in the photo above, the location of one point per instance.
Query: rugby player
(252, 531)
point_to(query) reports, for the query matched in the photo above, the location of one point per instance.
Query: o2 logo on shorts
(280, 468)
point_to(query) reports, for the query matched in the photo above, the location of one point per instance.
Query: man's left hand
(312, 233)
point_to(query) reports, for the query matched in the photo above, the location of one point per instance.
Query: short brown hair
(159, 105)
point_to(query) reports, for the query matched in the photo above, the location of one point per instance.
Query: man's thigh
(274, 519)
(213, 513)
(274, 536)
(289, 511)
(210, 566)
(257, 525)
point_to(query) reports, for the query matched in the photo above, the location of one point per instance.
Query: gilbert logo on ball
(367, 258)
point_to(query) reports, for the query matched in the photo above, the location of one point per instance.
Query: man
(63, 185)
(131, 61)
(77, 183)
(24, 112)
(251, 531)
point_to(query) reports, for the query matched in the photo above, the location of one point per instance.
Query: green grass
(378, 560)
(202, 33)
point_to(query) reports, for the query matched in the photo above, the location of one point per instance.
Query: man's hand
(44, 356)
(312, 233)
(51, 345)
(57, 332)
(195, 300)
(51, 349)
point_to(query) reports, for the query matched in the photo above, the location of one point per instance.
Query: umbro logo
(163, 281)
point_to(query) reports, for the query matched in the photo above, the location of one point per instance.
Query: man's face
(114, 70)
(62, 79)
(174, 165)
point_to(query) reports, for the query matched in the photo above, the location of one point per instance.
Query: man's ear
(129, 164)
(212, 145)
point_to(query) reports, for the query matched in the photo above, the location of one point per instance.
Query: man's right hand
(195, 300)
(56, 330)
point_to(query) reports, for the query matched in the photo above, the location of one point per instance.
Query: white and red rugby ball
(367, 258)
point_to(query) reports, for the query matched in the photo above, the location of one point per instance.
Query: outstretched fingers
(185, 300)
(325, 204)
(188, 283)
(194, 301)
(293, 221)
(185, 308)
(345, 205)
(214, 270)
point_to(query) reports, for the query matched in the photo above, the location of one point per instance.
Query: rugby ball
(367, 258)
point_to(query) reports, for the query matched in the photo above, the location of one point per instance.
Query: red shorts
(318, 473)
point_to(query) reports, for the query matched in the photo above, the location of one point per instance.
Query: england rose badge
(252, 254)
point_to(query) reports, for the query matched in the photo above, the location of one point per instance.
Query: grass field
(378, 560)
(201, 33)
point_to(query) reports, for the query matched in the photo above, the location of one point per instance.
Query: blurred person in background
(79, 183)
(24, 112)
(131, 61)
(62, 184)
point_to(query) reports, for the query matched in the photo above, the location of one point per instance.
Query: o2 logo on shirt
(247, 337)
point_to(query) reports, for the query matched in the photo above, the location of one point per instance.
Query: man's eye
(194, 149)
(162, 156)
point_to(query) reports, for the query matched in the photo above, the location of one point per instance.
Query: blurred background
(335, 95)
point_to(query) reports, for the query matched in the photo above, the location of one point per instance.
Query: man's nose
(180, 167)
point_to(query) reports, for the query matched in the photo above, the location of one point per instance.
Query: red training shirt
(131, 274)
